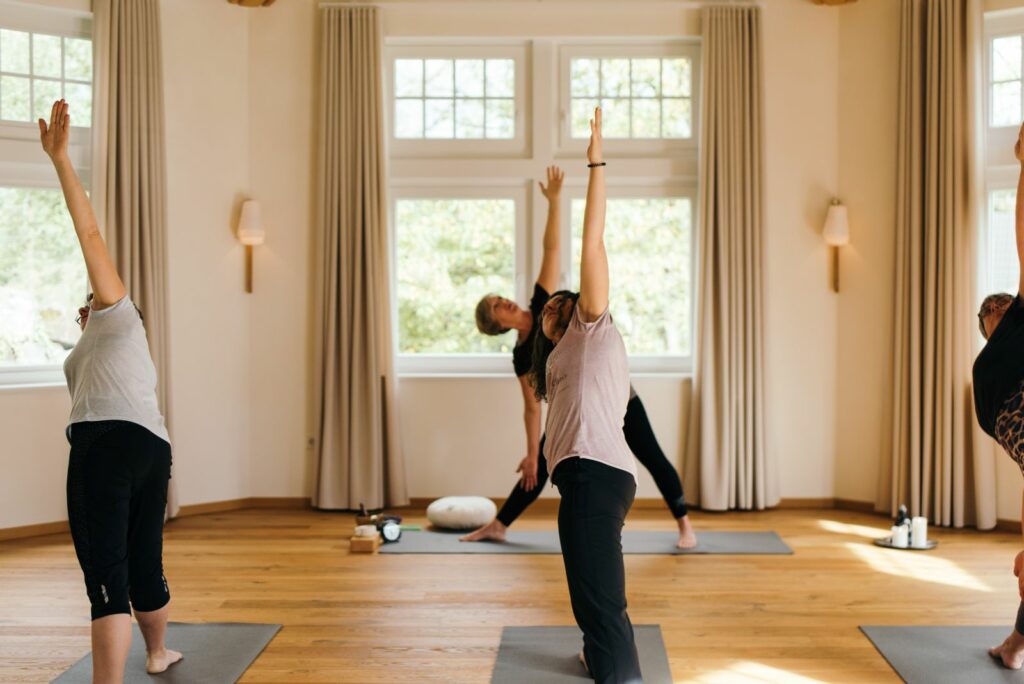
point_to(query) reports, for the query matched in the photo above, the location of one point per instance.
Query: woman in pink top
(580, 368)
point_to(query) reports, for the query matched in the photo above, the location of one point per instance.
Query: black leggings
(117, 492)
(644, 445)
(595, 500)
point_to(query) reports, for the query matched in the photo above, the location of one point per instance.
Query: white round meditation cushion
(461, 512)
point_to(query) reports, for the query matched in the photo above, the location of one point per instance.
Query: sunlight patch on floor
(753, 673)
(918, 565)
(855, 530)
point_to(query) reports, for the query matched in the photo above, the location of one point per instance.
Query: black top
(999, 368)
(522, 353)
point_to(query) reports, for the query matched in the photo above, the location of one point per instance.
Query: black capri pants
(595, 500)
(118, 474)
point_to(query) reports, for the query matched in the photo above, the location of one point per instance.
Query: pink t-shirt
(588, 389)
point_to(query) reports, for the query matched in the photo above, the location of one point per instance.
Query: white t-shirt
(110, 372)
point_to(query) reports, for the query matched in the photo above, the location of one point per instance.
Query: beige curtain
(129, 185)
(358, 446)
(726, 456)
(937, 465)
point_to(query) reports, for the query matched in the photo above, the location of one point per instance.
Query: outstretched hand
(554, 186)
(528, 468)
(54, 137)
(594, 155)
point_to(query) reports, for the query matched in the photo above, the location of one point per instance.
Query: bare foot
(492, 531)
(687, 537)
(583, 662)
(1011, 651)
(159, 662)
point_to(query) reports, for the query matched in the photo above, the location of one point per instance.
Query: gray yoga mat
(215, 653)
(944, 655)
(550, 655)
(633, 542)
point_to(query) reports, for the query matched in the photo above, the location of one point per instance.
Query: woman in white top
(120, 461)
(580, 368)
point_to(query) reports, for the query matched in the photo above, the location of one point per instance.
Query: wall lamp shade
(250, 226)
(836, 234)
(250, 233)
(837, 225)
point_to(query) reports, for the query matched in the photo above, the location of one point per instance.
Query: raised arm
(531, 421)
(106, 283)
(551, 262)
(594, 260)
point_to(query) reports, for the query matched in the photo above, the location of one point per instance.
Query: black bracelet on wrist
(590, 166)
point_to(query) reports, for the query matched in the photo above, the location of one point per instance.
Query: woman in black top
(496, 315)
(999, 396)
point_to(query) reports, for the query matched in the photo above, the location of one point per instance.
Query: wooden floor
(407, 618)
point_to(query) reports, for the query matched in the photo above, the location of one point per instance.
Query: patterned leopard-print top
(1010, 426)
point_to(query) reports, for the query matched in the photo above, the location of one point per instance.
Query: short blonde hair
(485, 322)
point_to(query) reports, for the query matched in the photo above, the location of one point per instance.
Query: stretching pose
(580, 368)
(999, 395)
(496, 315)
(120, 460)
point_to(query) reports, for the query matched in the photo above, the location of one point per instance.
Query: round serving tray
(887, 543)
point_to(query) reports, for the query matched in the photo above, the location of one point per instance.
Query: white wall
(867, 185)
(282, 73)
(34, 455)
(801, 175)
(206, 76)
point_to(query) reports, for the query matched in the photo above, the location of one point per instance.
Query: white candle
(900, 534)
(919, 532)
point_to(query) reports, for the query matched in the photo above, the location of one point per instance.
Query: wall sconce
(837, 234)
(250, 234)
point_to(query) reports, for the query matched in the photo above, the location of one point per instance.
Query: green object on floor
(411, 528)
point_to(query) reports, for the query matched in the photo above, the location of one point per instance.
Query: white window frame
(23, 163)
(460, 168)
(467, 189)
(633, 147)
(644, 363)
(458, 147)
(998, 140)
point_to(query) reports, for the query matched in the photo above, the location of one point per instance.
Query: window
(1005, 76)
(472, 128)
(650, 261)
(38, 68)
(646, 93)
(1001, 273)
(42, 278)
(455, 98)
(45, 54)
(640, 98)
(450, 253)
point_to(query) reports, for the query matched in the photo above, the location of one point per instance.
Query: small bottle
(902, 515)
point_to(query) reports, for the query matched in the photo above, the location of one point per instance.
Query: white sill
(32, 377)
(493, 365)
(415, 375)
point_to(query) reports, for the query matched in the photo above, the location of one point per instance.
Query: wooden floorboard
(412, 618)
